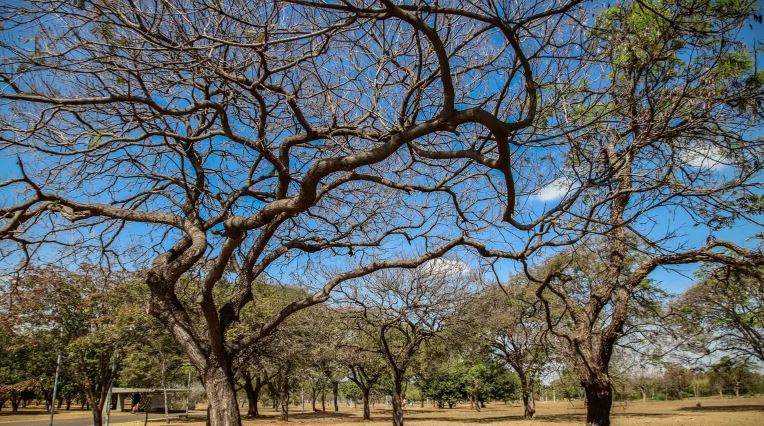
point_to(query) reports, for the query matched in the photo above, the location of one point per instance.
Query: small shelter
(151, 398)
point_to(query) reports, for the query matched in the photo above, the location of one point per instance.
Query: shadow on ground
(302, 416)
(25, 413)
(723, 408)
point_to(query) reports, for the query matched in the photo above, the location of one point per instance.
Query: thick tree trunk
(335, 395)
(68, 404)
(15, 402)
(599, 400)
(529, 403)
(397, 401)
(221, 397)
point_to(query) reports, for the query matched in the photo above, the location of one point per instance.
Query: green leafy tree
(444, 384)
(730, 374)
(724, 313)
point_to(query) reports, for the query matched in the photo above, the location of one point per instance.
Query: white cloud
(446, 266)
(554, 190)
(703, 157)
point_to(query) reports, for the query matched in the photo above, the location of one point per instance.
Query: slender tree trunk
(284, 395)
(284, 417)
(323, 401)
(474, 402)
(366, 408)
(96, 408)
(68, 404)
(397, 400)
(253, 394)
(599, 401)
(97, 416)
(335, 395)
(221, 396)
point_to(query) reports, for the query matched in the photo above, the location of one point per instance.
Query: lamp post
(108, 395)
(55, 389)
(188, 391)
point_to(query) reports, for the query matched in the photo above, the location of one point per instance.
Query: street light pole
(188, 392)
(55, 388)
(108, 395)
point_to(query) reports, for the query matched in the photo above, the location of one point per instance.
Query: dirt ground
(713, 412)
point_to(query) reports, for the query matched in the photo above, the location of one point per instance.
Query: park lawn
(713, 411)
(39, 413)
(738, 411)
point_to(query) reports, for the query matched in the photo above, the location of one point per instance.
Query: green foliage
(480, 379)
(724, 312)
(734, 376)
(94, 320)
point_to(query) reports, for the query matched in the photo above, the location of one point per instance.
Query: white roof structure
(144, 390)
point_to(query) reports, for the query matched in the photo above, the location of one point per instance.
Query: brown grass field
(713, 412)
(741, 411)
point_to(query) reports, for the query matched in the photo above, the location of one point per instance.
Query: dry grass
(713, 412)
(742, 411)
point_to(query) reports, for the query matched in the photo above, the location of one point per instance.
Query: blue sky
(673, 280)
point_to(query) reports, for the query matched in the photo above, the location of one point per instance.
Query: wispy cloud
(446, 266)
(554, 190)
(703, 157)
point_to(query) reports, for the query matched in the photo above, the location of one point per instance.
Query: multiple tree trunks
(96, 404)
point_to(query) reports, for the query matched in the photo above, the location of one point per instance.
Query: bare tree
(230, 141)
(516, 332)
(365, 372)
(400, 310)
(723, 313)
(227, 141)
